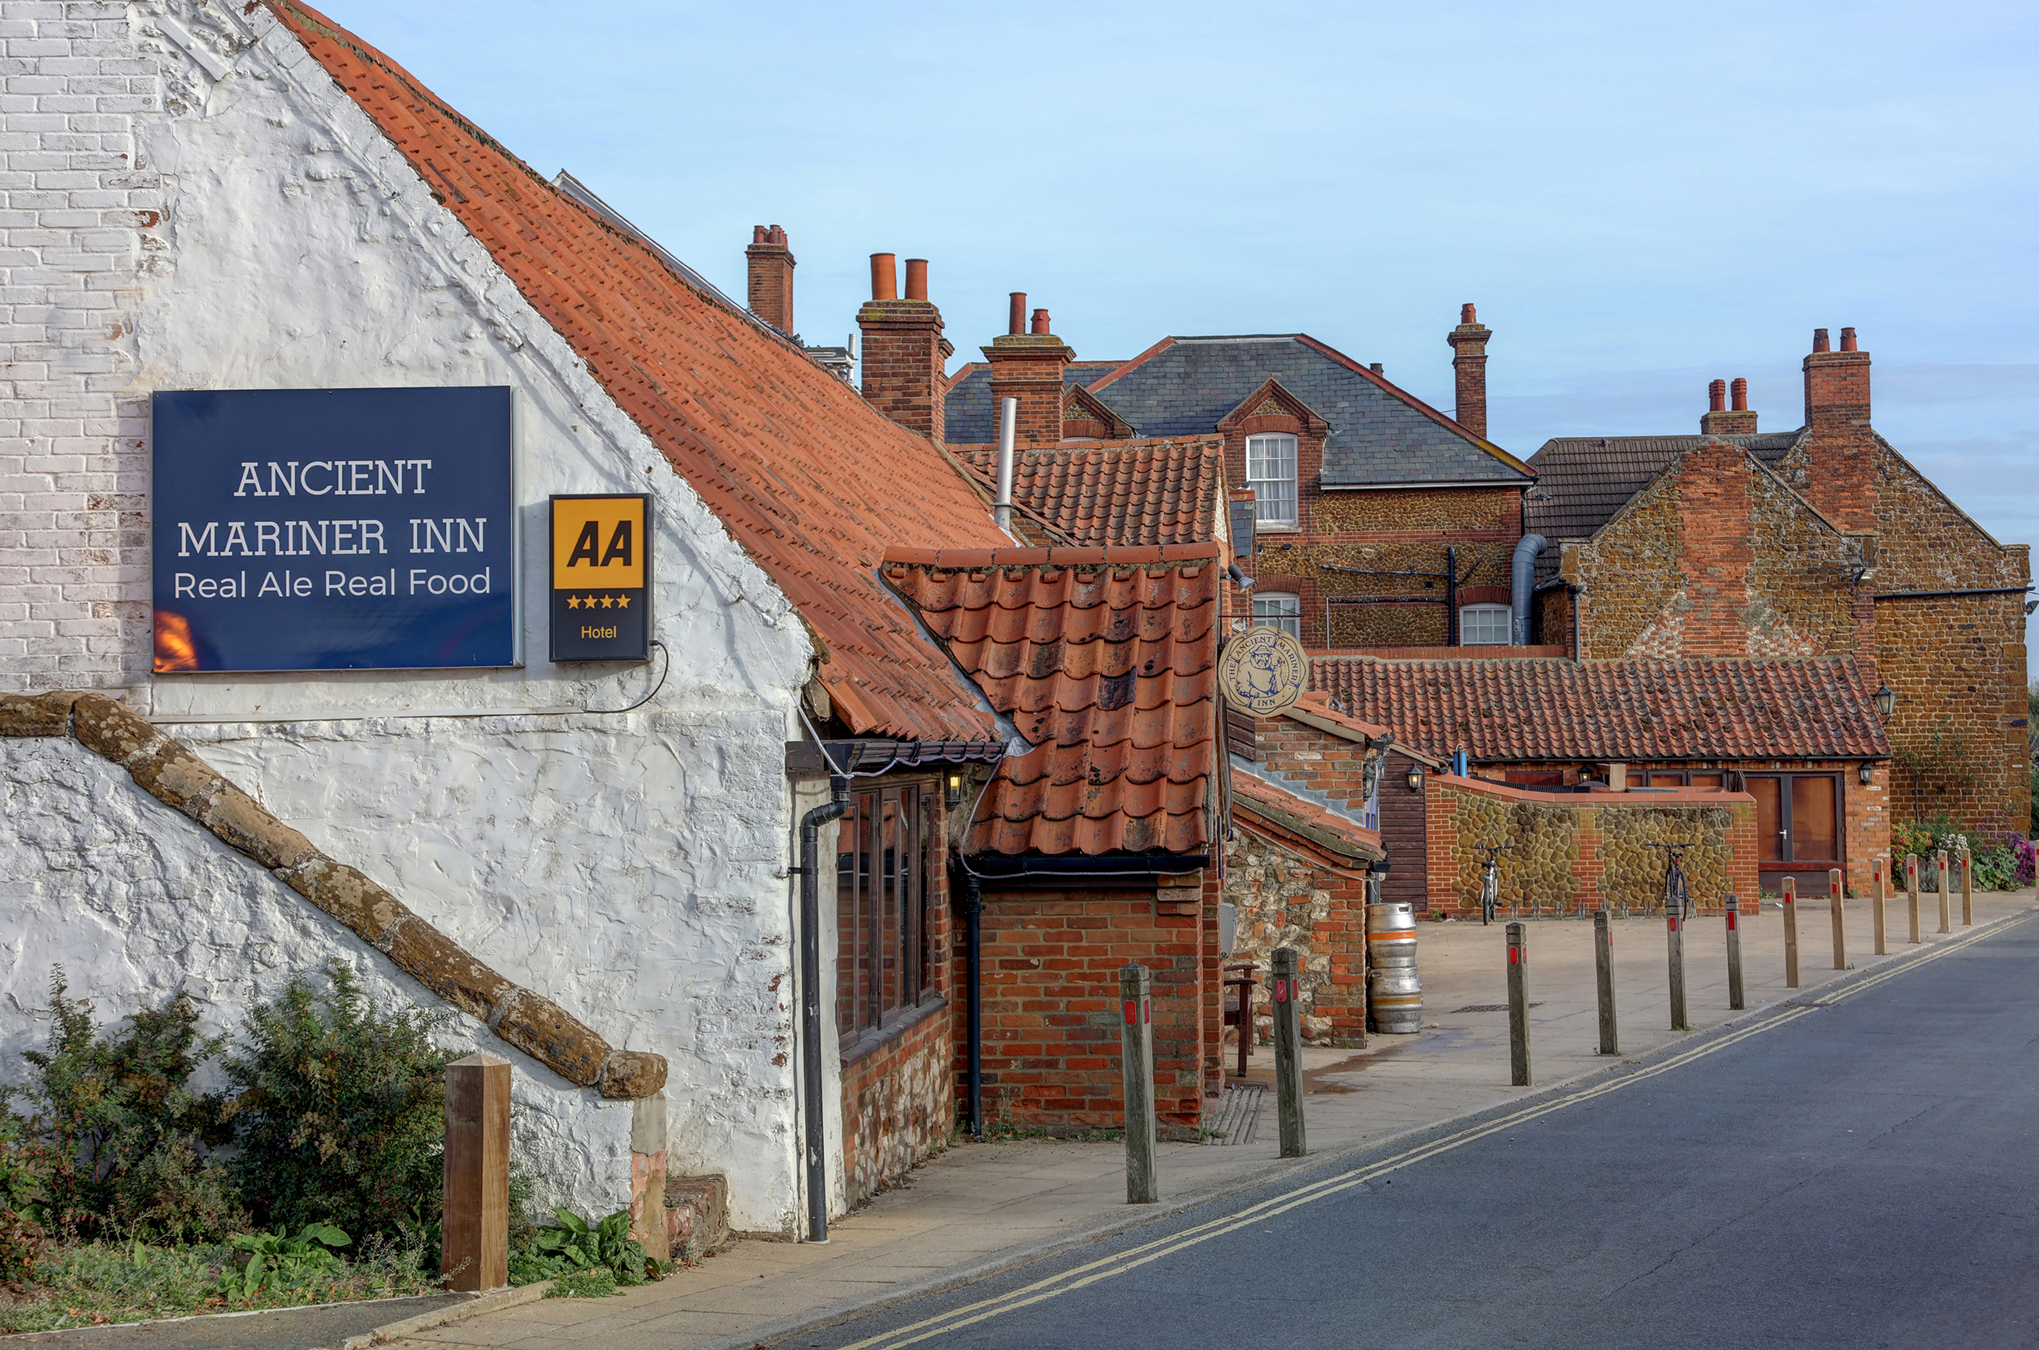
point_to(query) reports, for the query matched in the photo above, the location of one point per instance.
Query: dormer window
(1271, 473)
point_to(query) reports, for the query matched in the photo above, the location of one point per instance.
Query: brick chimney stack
(1469, 364)
(905, 356)
(1840, 446)
(771, 277)
(1029, 366)
(1723, 420)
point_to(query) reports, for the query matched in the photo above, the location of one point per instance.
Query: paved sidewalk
(984, 1205)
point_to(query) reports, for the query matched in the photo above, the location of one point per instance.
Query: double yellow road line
(1120, 1263)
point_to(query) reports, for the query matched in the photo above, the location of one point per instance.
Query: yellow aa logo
(598, 541)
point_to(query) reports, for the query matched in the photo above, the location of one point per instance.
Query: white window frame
(1289, 620)
(1488, 613)
(1274, 493)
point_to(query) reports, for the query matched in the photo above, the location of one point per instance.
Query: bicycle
(1490, 880)
(1677, 899)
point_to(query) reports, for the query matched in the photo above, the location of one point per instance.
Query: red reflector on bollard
(1129, 1012)
(1515, 956)
(1146, 1011)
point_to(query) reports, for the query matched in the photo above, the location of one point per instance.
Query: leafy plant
(115, 1134)
(574, 1245)
(277, 1259)
(1943, 759)
(597, 1283)
(341, 1110)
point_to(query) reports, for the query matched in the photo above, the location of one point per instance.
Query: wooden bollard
(474, 1220)
(1834, 906)
(1876, 905)
(1790, 933)
(1518, 1007)
(1136, 1064)
(1288, 1052)
(1734, 953)
(1674, 941)
(1967, 895)
(1946, 899)
(1911, 890)
(1603, 970)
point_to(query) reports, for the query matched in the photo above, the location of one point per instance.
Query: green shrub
(115, 1136)
(340, 1115)
(574, 1246)
(277, 1260)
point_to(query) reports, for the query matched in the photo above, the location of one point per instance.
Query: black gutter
(810, 1003)
(846, 756)
(1925, 595)
(1132, 867)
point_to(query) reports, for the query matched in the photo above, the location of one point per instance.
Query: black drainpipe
(973, 914)
(810, 1004)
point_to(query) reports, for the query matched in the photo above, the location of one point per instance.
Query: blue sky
(1638, 198)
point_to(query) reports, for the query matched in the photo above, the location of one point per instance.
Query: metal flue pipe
(1008, 414)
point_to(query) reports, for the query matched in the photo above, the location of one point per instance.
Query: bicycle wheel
(1490, 899)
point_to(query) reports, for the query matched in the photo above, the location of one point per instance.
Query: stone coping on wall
(1684, 796)
(168, 771)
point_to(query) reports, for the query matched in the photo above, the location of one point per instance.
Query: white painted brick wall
(75, 209)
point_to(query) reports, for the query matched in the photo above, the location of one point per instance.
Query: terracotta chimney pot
(1716, 396)
(916, 278)
(884, 277)
(1848, 340)
(1819, 340)
(1016, 313)
(1041, 323)
(1741, 395)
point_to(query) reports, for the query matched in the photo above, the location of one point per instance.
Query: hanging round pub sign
(1263, 671)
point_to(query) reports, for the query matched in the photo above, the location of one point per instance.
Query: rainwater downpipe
(973, 923)
(1008, 414)
(810, 1003)
(1521, 581)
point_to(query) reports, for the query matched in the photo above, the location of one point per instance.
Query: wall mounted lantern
(1886, 703)
(1866, 772)
(1415, 776)
(955, 792)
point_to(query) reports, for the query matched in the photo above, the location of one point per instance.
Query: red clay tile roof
(1271, 811)
(1116, 492)
(1106, 661)
(809, 479)
(1516, 711)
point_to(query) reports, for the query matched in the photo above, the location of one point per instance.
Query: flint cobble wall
(1574, 854)
(1287, 900)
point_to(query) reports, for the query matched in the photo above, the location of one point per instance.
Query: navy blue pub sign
(334, 529)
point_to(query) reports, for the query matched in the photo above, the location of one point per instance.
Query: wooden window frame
(885, 910)
(1785, 778)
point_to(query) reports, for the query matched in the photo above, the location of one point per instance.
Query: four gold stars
(590, 601)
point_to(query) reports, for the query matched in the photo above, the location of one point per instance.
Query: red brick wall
(1051, 1005)
(770, 266)
(1029, 367)
(903, 361)
(1316, 759)
(1405, 834)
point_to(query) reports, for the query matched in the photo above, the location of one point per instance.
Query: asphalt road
(1858, 1174)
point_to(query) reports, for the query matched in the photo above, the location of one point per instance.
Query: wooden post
(1967, 895)
(1674, 938)
(1911, 890)
(474, 1221)
(1603, 969)
(1876, 911)
(1518, 1006)
(1834, 906)
(1288, 1051)
(1136, 1065)
(1790, 933)
(1946, 900)
(1734, 953)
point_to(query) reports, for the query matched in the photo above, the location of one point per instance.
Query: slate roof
(1590, 478)
(808, 478)
(1264, 805)
(1106, 662)
(1116, 492)
(1564, 711)
(971, 418)
(1379, 434)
